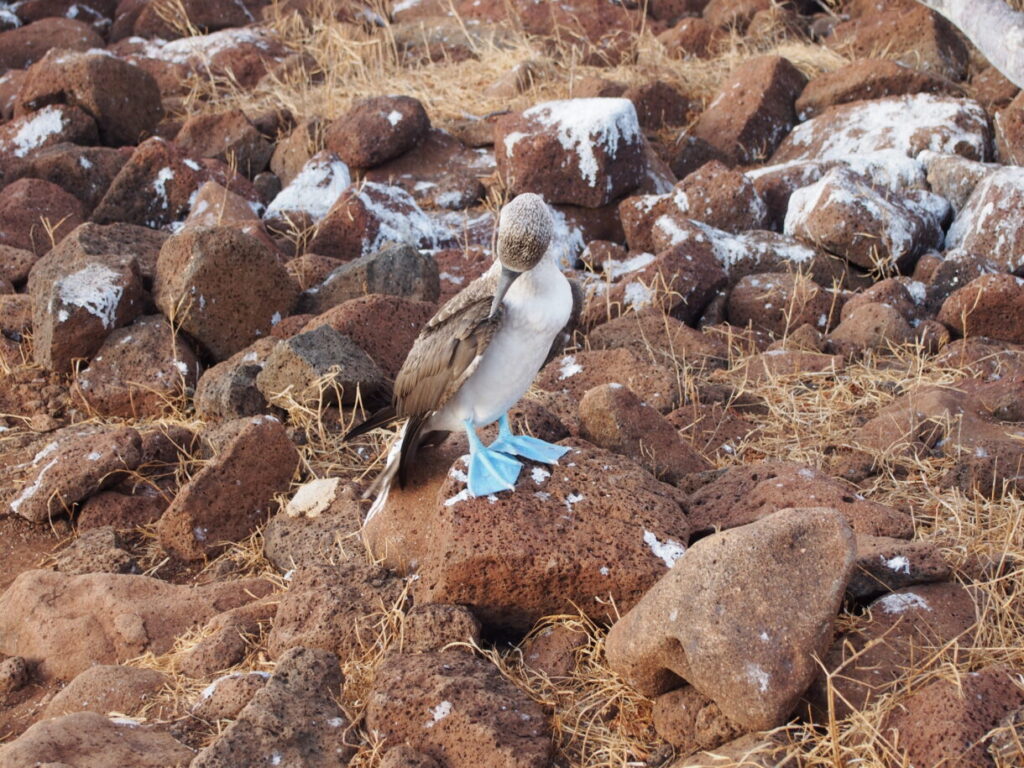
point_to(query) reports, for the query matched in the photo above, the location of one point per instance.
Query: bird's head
(524, 234)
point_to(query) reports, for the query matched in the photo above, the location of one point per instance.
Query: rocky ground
(790, 529)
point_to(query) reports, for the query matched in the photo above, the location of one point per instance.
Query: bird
(477, 356)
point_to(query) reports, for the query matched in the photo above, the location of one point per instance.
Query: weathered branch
(994, 28)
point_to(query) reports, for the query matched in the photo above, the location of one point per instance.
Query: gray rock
(297, 367)
(398, 270)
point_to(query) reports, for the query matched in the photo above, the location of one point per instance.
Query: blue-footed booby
(478, 355)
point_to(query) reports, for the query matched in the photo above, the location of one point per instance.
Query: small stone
(99, 550)
(228, 389)
(227, 136)
(990, 305)
(13, 676)
(612, 417)
(690, 721)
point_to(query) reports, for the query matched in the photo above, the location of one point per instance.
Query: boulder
(168, 179)
(73, 315)
(228, 390)
(364, 219)
(226, 696)
(98, 550)
(35, 215)
(433, 626)
(612, 417)
(457, 709)
(950, 722)
(594, 525)
(334, 607)
(850, 219)
(22, 46)
(228, 136)
(310, 192)
(595, 143)
(222, 287)
(868, 659)
(54, 124)
(234, 492)
(753, 110)
(123, 99)
(990, 305)
(398, 270)
(866, 79)
(582, 371)
(908, 124)
(387, 326)
(318, 366)
(885, 564)
(75, 463)
(107, 688)
(982, 224)
(66, 624)
(143, 369)
(912, 34)
(91, 740)
(377, 129)
(294, 719)
(749, 492)
(742, 616)
(780, 302)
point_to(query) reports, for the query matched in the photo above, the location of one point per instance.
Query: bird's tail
(382, 485)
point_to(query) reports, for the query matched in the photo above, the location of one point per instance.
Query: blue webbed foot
(523, 445)
(489, 471)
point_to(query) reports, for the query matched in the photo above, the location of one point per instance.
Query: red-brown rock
(32, 209)
(22, 46)
(234, 492)
(747, 493)
(742, 616)
(593, 525)
(66, 624)
(458, 709)
(141, 370)
(582, 371)
(612, 417)
(595, 144)
(990, 305)
(123, 99)
(377, 129)
(227, 136)
(753, 110)
(222, 287)
(780, 302)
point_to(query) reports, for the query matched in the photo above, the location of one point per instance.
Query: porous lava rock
(222, 287)
(866, 660)
(747, 493)
(742, 616)
(594, 525)
(336, 608)
(143, 369)
(122, 98)
(107, 688)
(91, 740)
(234, 492)
(457, 708)
(66, 624)
(595, 144)
(69, 466)
(377, 129)
(612, 417)
(753, 109)
(292, 720)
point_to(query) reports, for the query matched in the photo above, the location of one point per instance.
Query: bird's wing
(447, 350)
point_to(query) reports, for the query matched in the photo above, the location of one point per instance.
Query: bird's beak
(505, 280)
